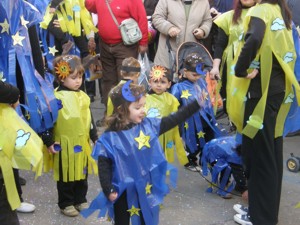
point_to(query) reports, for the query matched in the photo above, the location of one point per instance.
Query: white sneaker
(26, 207)
(240, 209)
(242, 219)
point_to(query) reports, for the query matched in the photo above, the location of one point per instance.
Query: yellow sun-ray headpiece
(65, 66)
(158, 72)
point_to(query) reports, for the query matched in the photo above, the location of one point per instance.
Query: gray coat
(170, 13)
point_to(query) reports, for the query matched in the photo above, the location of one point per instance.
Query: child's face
(160, 86)
(73, 81)
(137, 110)
(191, 76)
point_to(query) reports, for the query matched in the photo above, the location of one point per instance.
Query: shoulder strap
(111, 13)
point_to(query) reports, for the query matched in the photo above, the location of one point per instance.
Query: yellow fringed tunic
(72, 130)
(20, 148)
(278, 35)
(159, 106)
(233, 31)
(72, 16)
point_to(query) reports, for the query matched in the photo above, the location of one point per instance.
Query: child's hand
(253, 74)
(54, 149)
(199, 95)
(113, 196)
(52, 10)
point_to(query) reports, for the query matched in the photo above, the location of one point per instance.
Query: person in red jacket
(112, 49)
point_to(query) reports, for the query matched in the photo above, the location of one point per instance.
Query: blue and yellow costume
(158, 106)
(192, 130)
(72, 16)
(72, 132)
(20, 147)
(141, 170)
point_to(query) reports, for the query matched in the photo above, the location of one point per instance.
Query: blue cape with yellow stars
(192, 128)
(139, 168)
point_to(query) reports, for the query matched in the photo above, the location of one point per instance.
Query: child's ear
(169, 84)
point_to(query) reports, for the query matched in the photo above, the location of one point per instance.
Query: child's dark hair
(118, 120)
(66, 65)
(192, 60)
(130, 67)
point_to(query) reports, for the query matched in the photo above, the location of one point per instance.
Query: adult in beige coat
(181, 20)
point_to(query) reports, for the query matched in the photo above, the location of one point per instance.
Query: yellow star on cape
(5, 26)
(143, 140)
(201, 134)
(24, 22)
(18, 39)
(53, 50)
(185, 94)
(186, 125)
(148, 188)
(133, 211)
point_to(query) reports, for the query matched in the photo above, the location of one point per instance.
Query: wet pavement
(188, 204)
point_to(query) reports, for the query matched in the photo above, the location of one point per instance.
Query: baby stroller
(194, 47)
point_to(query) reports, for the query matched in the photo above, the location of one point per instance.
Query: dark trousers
(7, 215)
(71, 193)
(111, 58)
(122, 216)
(263, 161)
(63, 38)
(18, 185)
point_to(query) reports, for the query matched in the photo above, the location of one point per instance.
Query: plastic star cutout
(24, 22)
(18, 39)
(186, 125)
(5, 26)
(143, 140)
(134, 211)
(157, 72)
(148, 188)
(185, 94)
(201, 134)
(53, 50)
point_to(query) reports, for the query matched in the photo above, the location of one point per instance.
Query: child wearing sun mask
(160, 103)
(69, 141)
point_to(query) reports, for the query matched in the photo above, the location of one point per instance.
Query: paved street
(188, 204)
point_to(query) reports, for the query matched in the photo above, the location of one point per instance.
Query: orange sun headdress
(62, 69)
(157, 72)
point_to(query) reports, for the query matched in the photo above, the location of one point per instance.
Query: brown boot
(67, 47)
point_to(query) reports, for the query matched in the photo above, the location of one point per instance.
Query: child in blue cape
(131, 162)
(202, 126)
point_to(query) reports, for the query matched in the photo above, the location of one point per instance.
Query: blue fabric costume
(139, 168)
(192, 129)
(220, 152)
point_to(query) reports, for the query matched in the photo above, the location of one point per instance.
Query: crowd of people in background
(47, 59)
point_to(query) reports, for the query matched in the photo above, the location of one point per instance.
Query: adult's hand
(92, 45)
(143, 49)
(214, 74)
(173, 31)
(113, 196)
(198, 33)
(253, 74)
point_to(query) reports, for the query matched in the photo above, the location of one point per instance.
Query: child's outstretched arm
(179, 117)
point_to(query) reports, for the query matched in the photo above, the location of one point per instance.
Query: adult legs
(263, 159)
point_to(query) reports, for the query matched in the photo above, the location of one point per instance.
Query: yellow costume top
(71, 130)
(72, 16)
(20, 147)
(159, 106)
(276, 32)
(233, 31)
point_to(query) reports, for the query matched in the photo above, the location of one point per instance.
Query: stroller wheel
(293, 164)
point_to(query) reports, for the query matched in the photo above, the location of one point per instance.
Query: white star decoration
(18, 39)
(24, 22)
(52, 50)
(5, 26)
